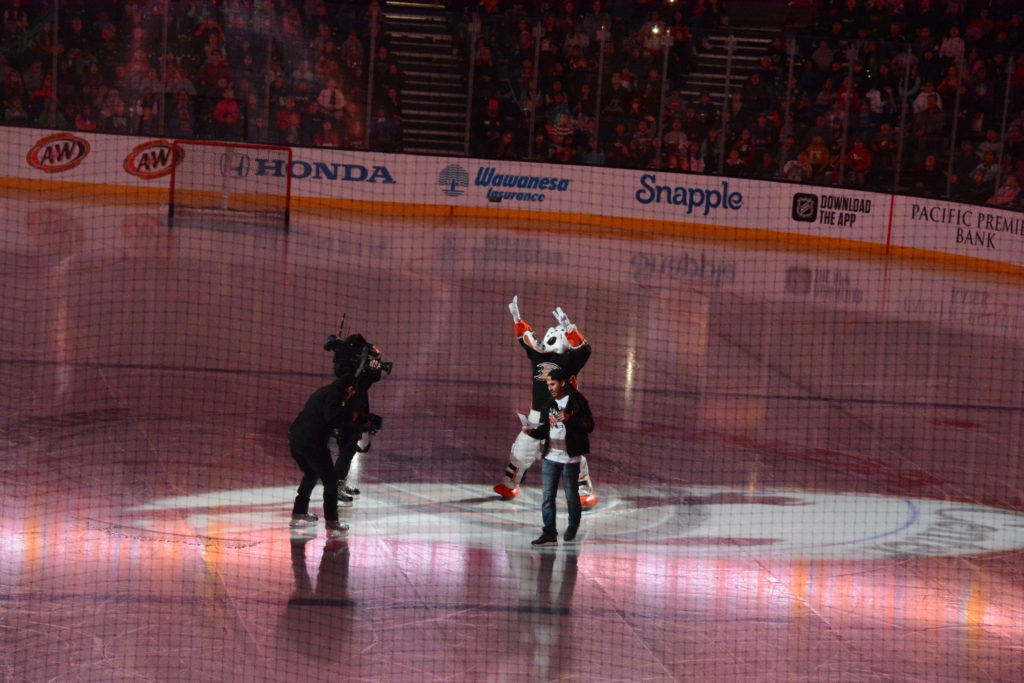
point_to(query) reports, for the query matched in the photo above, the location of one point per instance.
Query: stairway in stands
(710, 69)
(435, 92)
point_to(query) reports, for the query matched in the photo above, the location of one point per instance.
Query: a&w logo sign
(58, 153)
(150, 160)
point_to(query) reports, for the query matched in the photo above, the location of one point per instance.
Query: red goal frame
(179, 154)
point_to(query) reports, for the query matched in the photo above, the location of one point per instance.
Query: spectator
(756, 94)
(352, 50)
(213, 72)
(50, 116)
(485, 73)
(594, 155)
(924, 97)
(767, 168)
(675, 139)
(303, 73)
(694, 160)
(744, 144)
(178, 81)
(385, 133)
(15, 113)
(1015, 144)
(355, 136)
(327, 136)
(115, 119)
(181, 123)
(928, 180)
(735, 166)
(787, 151)
(506, 148)
(227, 117)
(711, 151)
(977, 190)
(15, 20)
(489, 129)
(283, 118)
(991, 143)
(952, 47)
(989, 167)
(565, 150)
(929, 126)
(884, 150)
(1008, 194)
(819, 156)
(799, 170)
(858, 162)
(332, 100)
(965, 161)
(147, 123)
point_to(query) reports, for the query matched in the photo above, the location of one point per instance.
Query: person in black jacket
(565, 427)
(330, 411)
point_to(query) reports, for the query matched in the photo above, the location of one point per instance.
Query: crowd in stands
(942, 61)
(878, 86)
(280, 72)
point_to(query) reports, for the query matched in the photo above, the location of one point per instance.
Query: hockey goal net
(232, 182)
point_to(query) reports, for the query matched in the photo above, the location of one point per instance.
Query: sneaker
(588, 501)
(345, 498)
(569, 535)
(545, 539)
(506, 492)
(302, 521)
(350, 490)
(336, 529)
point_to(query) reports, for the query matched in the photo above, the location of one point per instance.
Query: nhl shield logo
(805, 207)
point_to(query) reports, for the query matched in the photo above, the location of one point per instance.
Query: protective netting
(807, 408)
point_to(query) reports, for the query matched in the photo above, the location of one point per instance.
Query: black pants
(315, 462)
(346, 451)
(360, 404)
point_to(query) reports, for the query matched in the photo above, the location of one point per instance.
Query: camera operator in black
(356, 357)
(329, 411)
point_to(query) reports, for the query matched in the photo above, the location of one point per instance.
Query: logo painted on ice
(693, 520)
(58, 153)
(453, 180)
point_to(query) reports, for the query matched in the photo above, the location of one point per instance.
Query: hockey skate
(588, 498)
(304, 521)
(345, 499)
(336, 530)
(506, 492)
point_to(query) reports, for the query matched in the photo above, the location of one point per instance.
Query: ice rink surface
(808, 464)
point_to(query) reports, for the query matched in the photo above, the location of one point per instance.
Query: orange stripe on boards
(531, 220)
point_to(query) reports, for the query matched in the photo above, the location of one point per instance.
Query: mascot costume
(562, 347)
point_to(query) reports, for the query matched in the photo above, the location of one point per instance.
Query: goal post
(231, 181)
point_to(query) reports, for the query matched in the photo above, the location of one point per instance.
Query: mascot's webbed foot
(506, 492)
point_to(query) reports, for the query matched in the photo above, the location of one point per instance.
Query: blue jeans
(569, 472)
